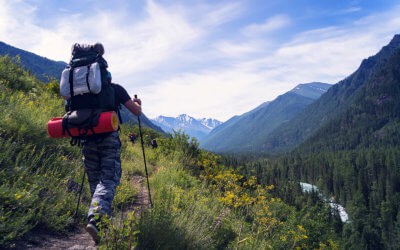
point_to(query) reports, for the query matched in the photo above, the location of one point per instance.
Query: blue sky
(208, 58)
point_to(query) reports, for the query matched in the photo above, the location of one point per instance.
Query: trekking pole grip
(136, 98)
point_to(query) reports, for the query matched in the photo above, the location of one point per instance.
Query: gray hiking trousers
(102, 162)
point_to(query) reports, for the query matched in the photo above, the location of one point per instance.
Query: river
(307, 187)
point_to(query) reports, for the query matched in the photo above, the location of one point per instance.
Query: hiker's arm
(135, 106)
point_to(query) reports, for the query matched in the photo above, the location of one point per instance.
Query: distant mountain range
(197, 128)
(45, 69)
(245, 133)
(41, 67)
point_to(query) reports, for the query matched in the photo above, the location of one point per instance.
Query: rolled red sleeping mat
(108, 122)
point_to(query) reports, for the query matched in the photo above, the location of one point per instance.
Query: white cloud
(204, 93)
(349, 10)
(271, 24)
(237, 50)
(216, 14)
(332, 53)
(154, 40)
(16, 23)
(18, 27)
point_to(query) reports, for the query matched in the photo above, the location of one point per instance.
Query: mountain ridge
(243, 133)
(43, 68)
(194, 127)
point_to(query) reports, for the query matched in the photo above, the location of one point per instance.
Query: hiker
(101, 157)
(154, 143)
(132, 137)
(101, 152)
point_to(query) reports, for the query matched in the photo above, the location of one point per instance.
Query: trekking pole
(144, 157)
(79, 197)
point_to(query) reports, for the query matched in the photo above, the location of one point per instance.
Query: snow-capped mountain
(210, 123)
(198, 128)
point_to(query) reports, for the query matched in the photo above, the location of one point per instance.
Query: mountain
(361, 109)
(39, 66)
(246, 132)
(210, 123)
(371, 117)
(198, 128)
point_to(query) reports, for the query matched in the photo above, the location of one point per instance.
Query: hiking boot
(93, 230)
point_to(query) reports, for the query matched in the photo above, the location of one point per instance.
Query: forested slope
(354, 156)
(372, 120)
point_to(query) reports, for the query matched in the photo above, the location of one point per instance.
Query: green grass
(34, 170)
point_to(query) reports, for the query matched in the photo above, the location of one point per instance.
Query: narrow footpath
(79, 239)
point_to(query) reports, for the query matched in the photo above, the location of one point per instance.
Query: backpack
(88, 92)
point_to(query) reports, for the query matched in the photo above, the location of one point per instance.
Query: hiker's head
(109, 77)
(99, 48)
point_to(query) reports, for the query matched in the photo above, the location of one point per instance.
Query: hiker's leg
(91, 161)
(110, 162)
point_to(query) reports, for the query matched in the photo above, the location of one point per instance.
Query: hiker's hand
(138, 101)
(134, 105)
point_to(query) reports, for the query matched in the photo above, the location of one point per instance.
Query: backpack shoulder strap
(71, 81)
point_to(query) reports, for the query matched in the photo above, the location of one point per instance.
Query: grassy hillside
(35, 170)
(198, 202)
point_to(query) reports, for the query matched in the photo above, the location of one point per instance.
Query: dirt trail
(79, 239)
(142, 200)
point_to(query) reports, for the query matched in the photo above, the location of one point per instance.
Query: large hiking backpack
(85, 85)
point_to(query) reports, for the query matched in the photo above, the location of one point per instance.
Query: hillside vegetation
(198, 201)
